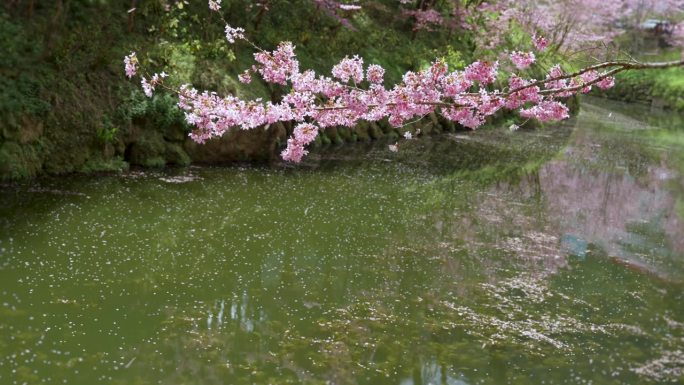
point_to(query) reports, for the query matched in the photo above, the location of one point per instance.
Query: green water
(547, 257)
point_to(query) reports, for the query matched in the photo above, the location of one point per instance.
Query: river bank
(67, 107)
(660, 89)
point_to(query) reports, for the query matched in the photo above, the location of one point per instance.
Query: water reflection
(483, 258)
(434, 373)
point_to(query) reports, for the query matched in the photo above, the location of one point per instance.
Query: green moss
(155, 162)
(362, 131)
(325, 139)
(116, 164)
(18, 161)
(374, 131)
(176, 155)
(344, 133)
(148, 151)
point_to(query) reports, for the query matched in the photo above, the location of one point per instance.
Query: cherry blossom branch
(355, 93)
(622, 66)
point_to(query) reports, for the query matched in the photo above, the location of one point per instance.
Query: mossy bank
(66, 105)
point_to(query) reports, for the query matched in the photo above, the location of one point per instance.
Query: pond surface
(553, 256)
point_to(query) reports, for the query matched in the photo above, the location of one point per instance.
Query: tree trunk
(131, 16)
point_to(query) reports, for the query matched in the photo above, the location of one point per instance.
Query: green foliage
(116, 164)
(107, 134)
(453, 58)
(19, 92)
(667, 85)
(157, 112)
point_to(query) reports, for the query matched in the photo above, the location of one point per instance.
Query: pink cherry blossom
(147, 87)
(375, 74)
(277, 66)
(540, 42)
(294, 152)
(481, 71)
(131, 65)
(314, 102)
(233, 34)
(245, 77)
(350, 7)
(305, 133)
(522, 60)
(215, 5)
(606, 83)
(349, 69)
(546, 111)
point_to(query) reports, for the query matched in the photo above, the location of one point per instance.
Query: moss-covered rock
(392, 135)
(446, 124)
(334, 135)
(280, 133)
(426, 127)
(256, 145)
(375, 131)
(573, 104)
(385, 126)
(325, 139)
(176, 155)
(175, 133)
(149, 150)
(28, 131)
(345, 133)
(362, 131)
(435, 123)
(317, 143)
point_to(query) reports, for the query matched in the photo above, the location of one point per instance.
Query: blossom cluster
(425, 19)
(233, 34)
(215, 5)
(148, 86)
(131, 65)
(522, 60)
(540, 42)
